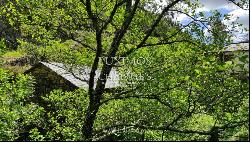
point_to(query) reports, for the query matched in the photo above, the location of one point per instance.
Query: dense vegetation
(174, 84)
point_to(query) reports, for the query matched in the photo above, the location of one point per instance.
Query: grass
(10, 56)
(16, 69)
(14, 54)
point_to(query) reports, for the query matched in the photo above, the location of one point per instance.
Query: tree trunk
(90, 119)
(214, 136)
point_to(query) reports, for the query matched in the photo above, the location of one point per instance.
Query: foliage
(15, 111)
(2, 47)
(64, 113)
(199, 86)
(23, 120)
(174, 85)
(13, 54)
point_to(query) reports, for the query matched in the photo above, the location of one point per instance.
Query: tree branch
(194, 19)
(169, 37)
(153, 26)
(165, 128)
(114, 47)
(83, 44)
(117, 5)
(238, 4)
(120, 127)
(168, 42)
(150, 96)
(98, 49)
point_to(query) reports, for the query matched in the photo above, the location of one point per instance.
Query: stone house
(52, 75)
(239, 54)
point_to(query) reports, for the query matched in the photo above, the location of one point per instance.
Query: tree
(16, 91)
(9, 30)
(119, 29)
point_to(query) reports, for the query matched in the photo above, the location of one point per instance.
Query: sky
(237, 15)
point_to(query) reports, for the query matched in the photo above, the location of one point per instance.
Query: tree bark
(95, 95)
(90, 119)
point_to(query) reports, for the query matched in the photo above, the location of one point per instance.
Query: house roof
(237, 47)
(79, 76)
